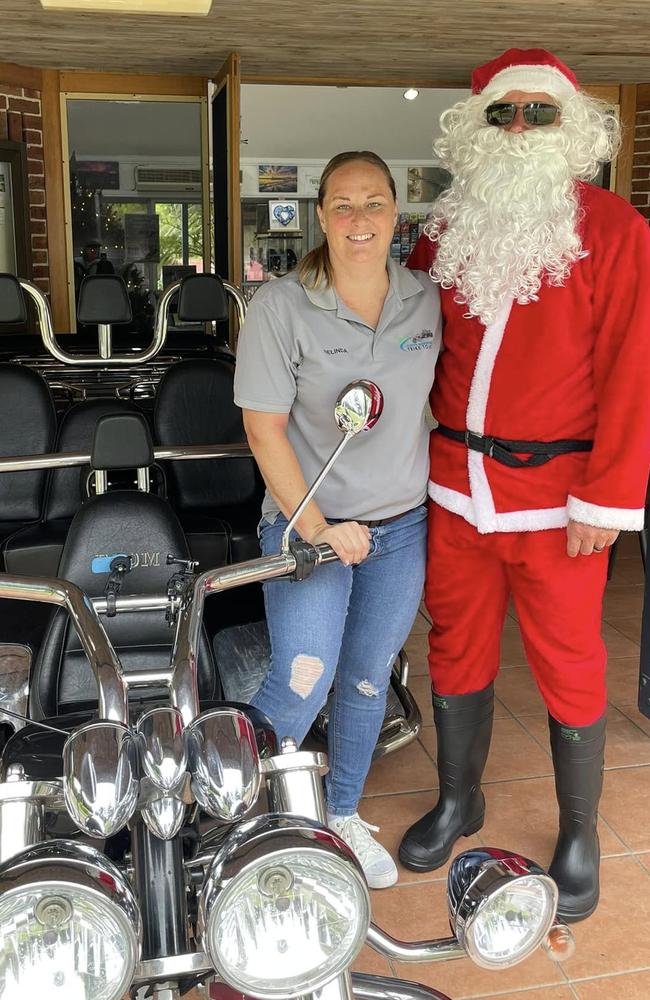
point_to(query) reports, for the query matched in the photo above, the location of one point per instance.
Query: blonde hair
(315, 268)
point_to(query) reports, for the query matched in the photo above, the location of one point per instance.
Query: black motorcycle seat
(123, 522)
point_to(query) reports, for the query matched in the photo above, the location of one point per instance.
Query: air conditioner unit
(167, 179)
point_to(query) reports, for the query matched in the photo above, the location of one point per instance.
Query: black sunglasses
(534, 112)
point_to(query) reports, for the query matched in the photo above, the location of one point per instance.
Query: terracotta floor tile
(545, 993)
(513, 753)
(522, 816)
(420, 688)
(409, 770)
(627, 571)
(623, 680)
(627, 744)
(519, 692)
(644, 859)
(419, 911)
(624, 806)
(617, 643)
(631, 986)
(620, 601)
(629, 627)
(421, 625)
(631, 712)
(372, 963)
(417, 650)
(615, 938)
(512, 648)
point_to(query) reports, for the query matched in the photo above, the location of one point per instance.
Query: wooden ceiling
(373, 40)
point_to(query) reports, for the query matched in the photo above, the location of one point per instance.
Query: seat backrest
(67, 487)
(123, 522)
(195, 405)
(27, 427)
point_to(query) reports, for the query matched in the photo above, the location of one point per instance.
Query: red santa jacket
(574, 364)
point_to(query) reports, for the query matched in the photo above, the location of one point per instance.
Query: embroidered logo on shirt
(422, 341)
(335, 350)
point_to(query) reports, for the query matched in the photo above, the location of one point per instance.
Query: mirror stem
(312, 489)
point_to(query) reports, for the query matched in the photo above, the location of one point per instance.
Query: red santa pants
(558, 601)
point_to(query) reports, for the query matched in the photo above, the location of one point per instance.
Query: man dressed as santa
(542, 394)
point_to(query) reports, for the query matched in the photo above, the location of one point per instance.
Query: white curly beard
(510, 218)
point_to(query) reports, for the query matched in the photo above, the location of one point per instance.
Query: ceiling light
(175, 7)
(410, 94)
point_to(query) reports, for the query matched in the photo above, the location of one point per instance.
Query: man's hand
(583, 539)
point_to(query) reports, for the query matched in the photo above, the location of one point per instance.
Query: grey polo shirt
(299, 347)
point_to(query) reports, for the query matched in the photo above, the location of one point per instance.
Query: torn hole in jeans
(305, 672)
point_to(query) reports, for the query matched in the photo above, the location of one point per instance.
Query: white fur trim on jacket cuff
(613, 518)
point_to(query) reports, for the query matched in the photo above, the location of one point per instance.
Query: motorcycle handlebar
(112, 684)
(97, 646)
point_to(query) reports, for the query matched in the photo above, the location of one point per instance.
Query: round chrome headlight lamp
(69, 925)
(501, 906)
(284, 907)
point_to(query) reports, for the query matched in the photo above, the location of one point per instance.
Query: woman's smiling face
(358, 214)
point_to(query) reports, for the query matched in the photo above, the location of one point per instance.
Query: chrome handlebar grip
(96, 645)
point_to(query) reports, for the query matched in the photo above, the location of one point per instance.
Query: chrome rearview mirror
(358, 407)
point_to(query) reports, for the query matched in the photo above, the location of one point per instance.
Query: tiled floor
(612, 958)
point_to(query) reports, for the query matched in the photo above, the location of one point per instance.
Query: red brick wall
(641, 164)
(20, 121)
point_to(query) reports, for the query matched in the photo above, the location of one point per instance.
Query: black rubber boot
(578, 758)
(464, 727)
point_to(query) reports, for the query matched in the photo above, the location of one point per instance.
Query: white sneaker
(378, 866)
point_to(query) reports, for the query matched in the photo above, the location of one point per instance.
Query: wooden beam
(133, 84)
(54, 200)
(643, 97)
(21, 76)
(341, 81)
(624, 160)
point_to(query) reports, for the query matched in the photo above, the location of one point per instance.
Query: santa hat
(530, 70)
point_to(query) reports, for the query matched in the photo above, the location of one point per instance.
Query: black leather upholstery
(103, 298)
(27, 427)
(122, 441)
(67, 487)
(36, 549)
(140, 525)
(195, 405)
(201, 299)
(12, 301)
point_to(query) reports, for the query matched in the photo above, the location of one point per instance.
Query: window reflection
(135, 182)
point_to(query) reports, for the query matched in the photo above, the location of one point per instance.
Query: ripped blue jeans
(343, 625)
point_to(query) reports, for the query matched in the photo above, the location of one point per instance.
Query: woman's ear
(319, 213)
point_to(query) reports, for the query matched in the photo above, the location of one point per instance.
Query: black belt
(373, 524)
(507, 451)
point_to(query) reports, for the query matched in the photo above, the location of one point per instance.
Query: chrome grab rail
(104, 330)
(96, 645)
(183, 685)
(173, 453)
(76, 360)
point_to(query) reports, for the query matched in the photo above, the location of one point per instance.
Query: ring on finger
(599, 548)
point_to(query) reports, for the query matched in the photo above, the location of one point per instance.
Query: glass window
(136, 195)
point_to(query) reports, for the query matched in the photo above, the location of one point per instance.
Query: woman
(348, 313)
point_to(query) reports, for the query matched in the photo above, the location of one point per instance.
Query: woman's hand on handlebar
(350, 541)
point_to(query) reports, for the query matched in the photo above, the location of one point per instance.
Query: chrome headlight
(69, 925)
(501, 906)
(284, 907)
